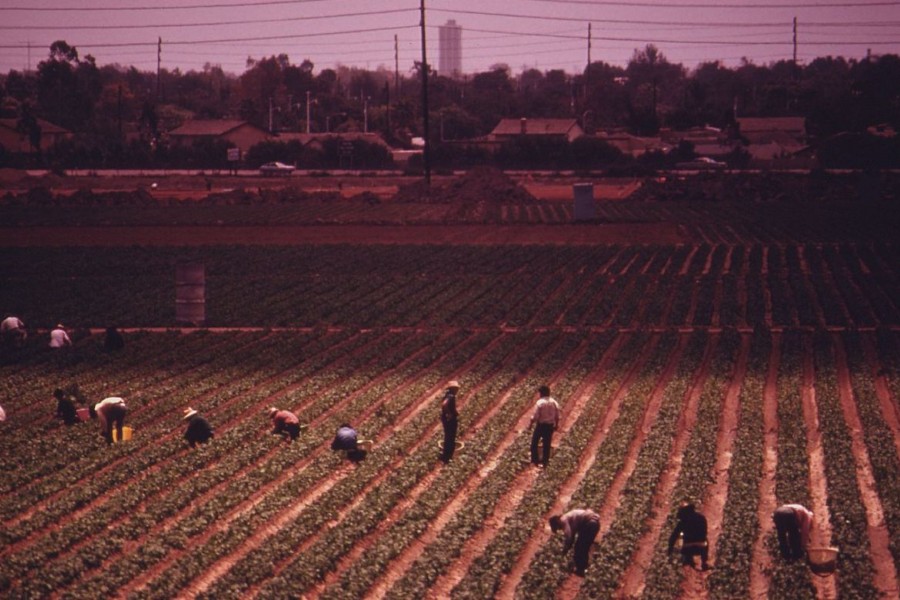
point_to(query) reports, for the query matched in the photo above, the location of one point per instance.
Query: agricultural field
(745, 365)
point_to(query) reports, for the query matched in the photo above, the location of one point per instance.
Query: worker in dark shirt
(65, 408)
(198, 431)
(450, 420)
(580, 527)
(691, 527)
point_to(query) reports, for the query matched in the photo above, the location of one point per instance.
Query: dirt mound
(478, 196)
(482, 184)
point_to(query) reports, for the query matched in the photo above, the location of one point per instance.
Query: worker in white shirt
(545, 420)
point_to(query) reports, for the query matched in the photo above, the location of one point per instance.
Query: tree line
(119, 115)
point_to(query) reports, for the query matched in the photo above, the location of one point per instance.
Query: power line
(153, 7)
(718, 5)
(231, 40)
(206, 24)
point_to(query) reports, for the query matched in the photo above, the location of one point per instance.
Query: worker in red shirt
(285, 423)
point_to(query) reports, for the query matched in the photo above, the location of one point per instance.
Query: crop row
(251, 516)
(464, 286)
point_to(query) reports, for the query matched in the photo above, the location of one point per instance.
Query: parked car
(272, 169)
(701, 162)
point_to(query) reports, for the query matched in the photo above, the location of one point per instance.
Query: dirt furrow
(476, 545)
(613, 498)
(888, 404)
(422, 485)
(634, 578)
(406, 559)
(820, 535)
(287, 514)
(885, 577)
(694, 583)
(762, 561)
(539, 537)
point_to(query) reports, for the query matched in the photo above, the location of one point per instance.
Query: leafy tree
(67, 87)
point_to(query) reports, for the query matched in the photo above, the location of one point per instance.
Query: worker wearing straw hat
(285, 423)
(450, 420)
(198, 429)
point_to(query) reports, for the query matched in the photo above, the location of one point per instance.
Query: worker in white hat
(450, 420)
(198, 430)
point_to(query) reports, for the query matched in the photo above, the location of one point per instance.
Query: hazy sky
(542, 34)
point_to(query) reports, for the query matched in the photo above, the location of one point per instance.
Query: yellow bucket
(126, 434)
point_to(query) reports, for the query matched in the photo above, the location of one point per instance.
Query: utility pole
(795, 42)
(587, 69)
(425, 153)
(396, 68)
(307, 111)
(270, 114)
(158, 63)
(589, 45)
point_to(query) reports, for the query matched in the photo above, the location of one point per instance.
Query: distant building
(450, 49)
(241, 134)
(19, 142)
(772, 138)
(507, 129)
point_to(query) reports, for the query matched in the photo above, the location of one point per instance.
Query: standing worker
(450, 420)
(285, 423)
(691, 526)
(793, 523)
(113, 340)
(545, 420)
(581, 527)
(198, 431)
(12, 329)
(59, 338)
(111, 410)
(65, 408)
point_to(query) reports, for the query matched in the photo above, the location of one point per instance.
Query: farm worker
(114, 340)
(285, 423)
(198, 429)
(111, 410)
(2, 414)
(450, 420)
(345, 438)
(65, 408)
(792, 522)
(545, 420)
(13, 331)
(581, 527)
(691, 527)
(59, 338)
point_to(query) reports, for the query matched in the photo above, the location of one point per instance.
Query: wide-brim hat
(189, 412)
(453, 384)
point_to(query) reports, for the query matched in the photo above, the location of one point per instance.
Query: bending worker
(580, 527)
(793, 523)
(111, 411)
(285, 423)
(198, 431)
